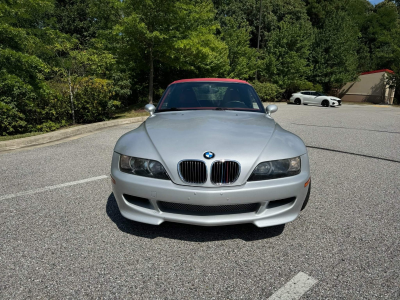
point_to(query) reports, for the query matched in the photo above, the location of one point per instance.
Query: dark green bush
(94, 100)
(267, 91)
(11, 121)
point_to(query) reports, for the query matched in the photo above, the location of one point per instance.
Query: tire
(307, 197)
(325, 103)
(297, 101)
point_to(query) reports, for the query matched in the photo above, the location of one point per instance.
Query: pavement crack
(341, 127)
(352, 153)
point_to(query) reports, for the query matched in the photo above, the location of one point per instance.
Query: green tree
(24, 40)
(379, 35)
(73, 17)
(241, 57)
(334, 54)
(286, 54)
(171, 33)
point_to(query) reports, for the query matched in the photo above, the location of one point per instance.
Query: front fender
(283, 144)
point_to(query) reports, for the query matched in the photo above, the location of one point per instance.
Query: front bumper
(262, 192)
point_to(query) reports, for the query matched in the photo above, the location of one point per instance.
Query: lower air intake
(200, 210)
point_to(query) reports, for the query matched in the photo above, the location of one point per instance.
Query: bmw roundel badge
(208, 154)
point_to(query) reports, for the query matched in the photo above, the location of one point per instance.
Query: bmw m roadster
(210, 154)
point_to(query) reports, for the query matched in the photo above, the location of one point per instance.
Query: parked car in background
(211, 154)
(316, 98)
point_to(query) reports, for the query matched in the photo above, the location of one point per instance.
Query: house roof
(210, 79)
(378, 71)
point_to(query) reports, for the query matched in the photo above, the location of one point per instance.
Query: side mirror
(271, 109)
(150, 108)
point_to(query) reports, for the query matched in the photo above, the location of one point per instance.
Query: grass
(18, 136)
(136, 110)
(132, 111)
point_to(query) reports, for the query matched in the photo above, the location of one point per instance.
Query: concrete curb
(64, 133)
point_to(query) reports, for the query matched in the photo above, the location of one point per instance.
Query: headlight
(142, 167)
(276, 169)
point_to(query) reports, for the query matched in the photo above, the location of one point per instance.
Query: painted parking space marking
(295, 288)
(48, 188)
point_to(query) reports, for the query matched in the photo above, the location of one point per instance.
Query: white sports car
(316, 98)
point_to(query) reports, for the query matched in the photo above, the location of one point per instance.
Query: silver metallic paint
(150, 108)
(246, 137)
(272, 108)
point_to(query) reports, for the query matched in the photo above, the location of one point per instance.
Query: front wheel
(297, 101)
(325, 103)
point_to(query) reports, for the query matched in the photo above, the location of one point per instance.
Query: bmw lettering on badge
(208, 154)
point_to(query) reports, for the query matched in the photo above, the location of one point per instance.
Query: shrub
(304, 86)
(94, 100)
(48, 126)
(11, 120)
(267, 91)
(318, 88)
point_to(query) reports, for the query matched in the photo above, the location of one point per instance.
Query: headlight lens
(276, 169)
(142, 167)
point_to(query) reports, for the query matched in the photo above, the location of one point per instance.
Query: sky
(375, 1)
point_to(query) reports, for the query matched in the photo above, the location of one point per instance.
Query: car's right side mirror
(271, 109)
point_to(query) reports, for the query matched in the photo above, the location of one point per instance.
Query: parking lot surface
(62, 235)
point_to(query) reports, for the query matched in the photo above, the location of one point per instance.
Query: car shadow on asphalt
(192, 233)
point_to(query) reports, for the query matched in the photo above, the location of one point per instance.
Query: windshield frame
(174, 109)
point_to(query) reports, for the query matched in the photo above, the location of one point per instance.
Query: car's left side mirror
(150, 108)
(271, 109)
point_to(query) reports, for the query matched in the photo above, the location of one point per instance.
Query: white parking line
(47, 188)
(295, 288)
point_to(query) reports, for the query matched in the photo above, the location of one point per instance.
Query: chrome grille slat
(224, 172)
(192, 171)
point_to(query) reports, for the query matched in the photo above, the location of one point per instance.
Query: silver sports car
(210, 154)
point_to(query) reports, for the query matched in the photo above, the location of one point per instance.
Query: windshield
(321, 94)
(210, 96)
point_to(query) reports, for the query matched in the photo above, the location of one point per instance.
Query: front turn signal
(308, 182)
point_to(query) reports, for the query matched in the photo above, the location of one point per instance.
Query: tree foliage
(81, 59)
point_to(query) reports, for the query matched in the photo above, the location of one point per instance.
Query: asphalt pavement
(62, 236)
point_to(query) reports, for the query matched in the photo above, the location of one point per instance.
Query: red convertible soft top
(211, 79)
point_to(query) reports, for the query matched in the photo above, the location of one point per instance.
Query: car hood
(229, 134)
(246, 137)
